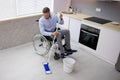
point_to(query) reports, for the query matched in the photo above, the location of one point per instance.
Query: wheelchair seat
(49, 38)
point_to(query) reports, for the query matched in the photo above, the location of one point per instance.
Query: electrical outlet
(98, 9)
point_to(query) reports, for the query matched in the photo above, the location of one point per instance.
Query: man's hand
(55, 33)
(61, 16)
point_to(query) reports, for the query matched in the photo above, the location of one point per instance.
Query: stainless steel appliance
(89, 36)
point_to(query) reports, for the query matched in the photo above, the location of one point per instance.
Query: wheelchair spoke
(41, 45)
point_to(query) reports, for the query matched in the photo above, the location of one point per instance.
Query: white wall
(7, 8)
(61, 5)
(18, 31)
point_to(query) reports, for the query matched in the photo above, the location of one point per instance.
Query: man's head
(46, 12)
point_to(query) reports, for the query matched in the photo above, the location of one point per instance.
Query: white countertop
(81, 16)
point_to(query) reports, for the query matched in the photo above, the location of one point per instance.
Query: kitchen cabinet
(66, 22)
(109, 45)
(74, 28)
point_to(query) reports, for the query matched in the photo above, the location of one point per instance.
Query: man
(47, 25)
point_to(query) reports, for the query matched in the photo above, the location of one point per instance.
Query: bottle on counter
(70, 9)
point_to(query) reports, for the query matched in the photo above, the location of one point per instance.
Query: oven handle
(89, 33)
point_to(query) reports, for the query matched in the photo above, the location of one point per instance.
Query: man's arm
(42, 29)
(60, 19)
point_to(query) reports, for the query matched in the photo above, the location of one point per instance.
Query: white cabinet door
(109, 45)
(74, 28)
(66, 22)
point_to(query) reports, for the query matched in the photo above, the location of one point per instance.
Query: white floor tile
(21, 63)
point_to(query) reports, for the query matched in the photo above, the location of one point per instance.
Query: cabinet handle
(89, 33)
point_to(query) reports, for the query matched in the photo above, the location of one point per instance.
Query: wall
(61, 5)
(109, 10)
(18, 31)
(7, 8)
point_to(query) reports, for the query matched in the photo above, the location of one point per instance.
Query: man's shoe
(70, 50)
(63, 55)
(69, 53)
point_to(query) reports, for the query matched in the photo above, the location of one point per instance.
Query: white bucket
(68, 65)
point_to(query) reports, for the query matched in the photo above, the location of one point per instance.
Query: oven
(89, 36)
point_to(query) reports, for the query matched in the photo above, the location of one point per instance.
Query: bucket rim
(69, 61)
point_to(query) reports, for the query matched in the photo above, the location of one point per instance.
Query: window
(24, 7)
(14, 8)
(7, 9)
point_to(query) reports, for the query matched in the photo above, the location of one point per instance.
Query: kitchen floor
(21, 63)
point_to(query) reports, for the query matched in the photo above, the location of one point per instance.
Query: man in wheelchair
(47, 25)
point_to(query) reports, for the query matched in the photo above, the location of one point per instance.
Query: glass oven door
(88, 38)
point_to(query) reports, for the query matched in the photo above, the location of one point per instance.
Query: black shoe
(70, 50)
(56, 56)
(63, 55)
(68, 53)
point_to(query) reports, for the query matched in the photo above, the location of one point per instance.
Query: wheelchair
(42, 45)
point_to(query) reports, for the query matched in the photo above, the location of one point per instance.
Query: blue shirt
(47, 26)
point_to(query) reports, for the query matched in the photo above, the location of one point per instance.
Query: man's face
(46, 15)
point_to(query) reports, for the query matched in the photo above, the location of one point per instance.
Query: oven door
(88, 38)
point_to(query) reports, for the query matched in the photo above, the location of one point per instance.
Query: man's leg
(59, 41)
(66, 33)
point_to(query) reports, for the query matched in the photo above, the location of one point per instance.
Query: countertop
(81, 16)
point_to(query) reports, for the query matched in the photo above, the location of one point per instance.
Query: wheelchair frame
(47, 42)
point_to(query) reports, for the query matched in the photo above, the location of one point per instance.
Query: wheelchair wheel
(41, 45)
